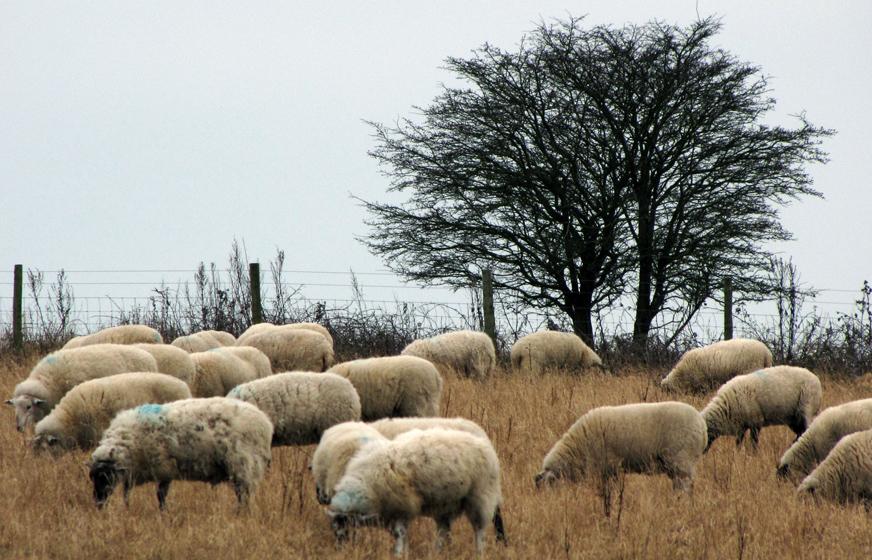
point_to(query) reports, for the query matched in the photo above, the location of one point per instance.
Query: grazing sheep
(253, 356)
(210, 440)
(263, 327)
(435, 473)
(339, 444)
(79, 419)
(822, 435)
(257, 328)
(645, 438)
(301, 404)
(781, 395)
(551, 349)
(293, 349)
(470, 353)
(124, 334)
(204, 341)
(219, 371)
(393, 386)
(60, 371)
(845, 476)
(392, 427)
(703, 369)
(172, 361)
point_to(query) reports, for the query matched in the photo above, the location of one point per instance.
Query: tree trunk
(579, 312)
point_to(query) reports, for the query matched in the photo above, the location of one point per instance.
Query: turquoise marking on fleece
(149, 411)
(50, 359)
(761, 373)
(346, 501)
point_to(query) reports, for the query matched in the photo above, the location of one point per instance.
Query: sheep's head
(28, 410)
(41, 443)
(783, 471)
(105, 477)
(344, 523)
(545, 478)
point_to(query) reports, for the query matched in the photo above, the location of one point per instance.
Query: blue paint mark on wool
(762, 374)
(149, 411)
(345, 501)
(50, 359)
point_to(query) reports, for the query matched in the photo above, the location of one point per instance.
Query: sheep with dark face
(211, 440)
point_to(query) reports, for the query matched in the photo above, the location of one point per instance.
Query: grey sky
(149, 135)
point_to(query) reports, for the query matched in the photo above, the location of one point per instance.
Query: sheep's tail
(498, 526)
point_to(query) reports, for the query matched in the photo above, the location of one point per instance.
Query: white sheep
(469, 353)
(845, 475)
(60, 371)
(123, 334)
(172, 361)
(301, 404)
(822, 435)
(257, 359)
(539, 351)
(707, 368)
(292, 349)
(393, 386)
(339, 444)
(780, 395)
(263, 327)
(204, 341)
(645, 438)
(79, 419)
(254, 329)
(219, 371)
(210, 440)
(435, 473)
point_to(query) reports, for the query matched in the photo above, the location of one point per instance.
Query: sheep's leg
(127, 487)
(755, 437)
(498, 527)
(242, 496)
(741, 437)
(163, 487)
(399, 531)
(443, 532)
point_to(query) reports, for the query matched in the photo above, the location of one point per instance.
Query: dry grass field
(739, 509)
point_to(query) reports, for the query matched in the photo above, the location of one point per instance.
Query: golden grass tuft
(739, 509)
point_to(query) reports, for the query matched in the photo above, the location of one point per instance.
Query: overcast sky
(150, 135)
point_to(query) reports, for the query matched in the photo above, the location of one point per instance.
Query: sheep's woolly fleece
(469, 353)
(219, 371)
(172, 361)
(123, 334)
(301, 405)
(436, 473)
(845, 476)
(822, 435)
(210, 440)
(394, 386)
(78, 421)
(780, 395)
(707, 368)
(543, 350)
(60, 371)
(293, 349)
(647, 438)
(204, 341)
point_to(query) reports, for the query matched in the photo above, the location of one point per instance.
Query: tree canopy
(591, 166)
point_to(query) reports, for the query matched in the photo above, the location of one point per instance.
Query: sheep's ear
(310, 468)
(51, 440)
(9, 401)
(38, 401)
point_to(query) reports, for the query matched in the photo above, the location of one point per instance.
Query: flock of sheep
(209, 407)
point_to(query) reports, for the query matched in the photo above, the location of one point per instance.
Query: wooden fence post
(18, 309)
(728, 308)
(254, 279)
(487, 296)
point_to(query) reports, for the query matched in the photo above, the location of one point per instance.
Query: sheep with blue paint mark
(211, 440)
(780, 395)
(122, 334)
(435, 473)
(60, 371)
(78, 421)
(301, 405)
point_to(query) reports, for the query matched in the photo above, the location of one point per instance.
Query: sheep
(263, 327)
(203, 341)
(825, 431)
(393, 386)
(470, 353)
(339, 444)
(257, 359)
(209, 440)
(293, 349)
(301, 405)
(845, 475)
(172, 361)
(703, 369)
(219, 371)
(435, 473)
(257, 328)
(123, 334)
(551, 349)
(85, 412)
(645, 438)
(60, 371)
(780, 395)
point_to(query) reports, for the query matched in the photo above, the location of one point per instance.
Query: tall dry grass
(738, 509)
